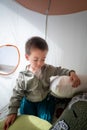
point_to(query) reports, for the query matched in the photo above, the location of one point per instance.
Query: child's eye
(43, 59)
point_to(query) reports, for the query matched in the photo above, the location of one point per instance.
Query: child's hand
(75, 79)
(9, 121)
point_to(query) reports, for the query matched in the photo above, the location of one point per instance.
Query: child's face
(36, 58)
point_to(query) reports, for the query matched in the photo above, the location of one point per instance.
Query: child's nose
(39, 63)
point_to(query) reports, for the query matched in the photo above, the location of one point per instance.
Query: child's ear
(27, 56)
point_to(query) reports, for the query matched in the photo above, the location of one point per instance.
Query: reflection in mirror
(9, 59)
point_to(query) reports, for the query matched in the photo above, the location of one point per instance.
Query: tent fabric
(55, 7)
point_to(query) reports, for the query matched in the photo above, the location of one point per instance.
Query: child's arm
(18, 94)
(53, 71)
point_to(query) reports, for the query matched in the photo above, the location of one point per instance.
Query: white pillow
(61, 86)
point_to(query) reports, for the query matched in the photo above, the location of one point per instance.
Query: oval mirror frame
(14, 69)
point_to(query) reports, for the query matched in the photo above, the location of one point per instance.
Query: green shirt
(33, 88)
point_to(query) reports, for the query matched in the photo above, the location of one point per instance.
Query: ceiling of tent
(55, 7)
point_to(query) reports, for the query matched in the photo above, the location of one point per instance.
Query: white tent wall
(68, 41)
(66, 36)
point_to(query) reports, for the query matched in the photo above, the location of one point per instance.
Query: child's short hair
(35, 42)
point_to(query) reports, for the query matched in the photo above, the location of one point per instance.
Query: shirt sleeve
(53, 71)
(18, 94)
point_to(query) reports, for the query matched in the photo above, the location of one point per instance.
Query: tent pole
(46, 23)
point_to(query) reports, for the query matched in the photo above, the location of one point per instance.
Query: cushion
(61, 86)
(27, 122)
(74, 118)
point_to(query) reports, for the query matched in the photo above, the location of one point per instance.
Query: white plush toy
(61, 86)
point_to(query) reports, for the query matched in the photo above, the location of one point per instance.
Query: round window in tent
(9, 59)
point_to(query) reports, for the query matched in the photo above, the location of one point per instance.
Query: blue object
(44, 109)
